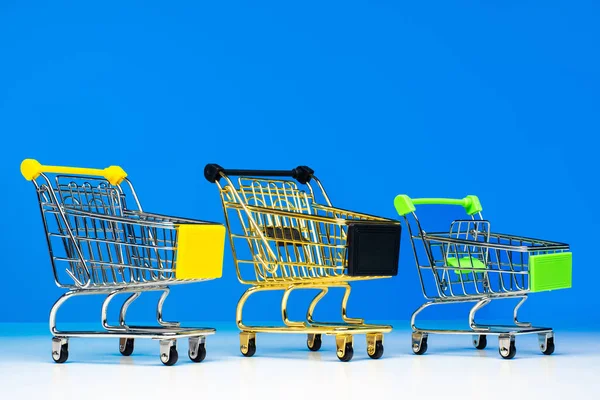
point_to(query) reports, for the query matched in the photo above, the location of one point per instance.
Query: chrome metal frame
(504, 277)
(111, 250)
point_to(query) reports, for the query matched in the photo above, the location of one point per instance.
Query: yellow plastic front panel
(199, 251)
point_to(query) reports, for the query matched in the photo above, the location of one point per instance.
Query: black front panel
(373, 249)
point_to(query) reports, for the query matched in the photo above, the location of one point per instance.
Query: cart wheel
(316, 342)
(126, 346)
(348, 353)
(61, 355)
(549, 346)
(420, 349)
(250, 350)
(508, 353)
(171, 358)
(200, 354)
(480, 342)
(378, 351)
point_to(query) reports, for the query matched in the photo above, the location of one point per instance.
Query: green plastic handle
(405, 205)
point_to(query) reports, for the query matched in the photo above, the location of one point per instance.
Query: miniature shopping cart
(469, 263)
(284, 237)
(100, 246)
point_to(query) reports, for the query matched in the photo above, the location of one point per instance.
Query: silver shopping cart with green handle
(470, 263)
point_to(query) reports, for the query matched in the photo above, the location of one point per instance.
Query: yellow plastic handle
(31, 169)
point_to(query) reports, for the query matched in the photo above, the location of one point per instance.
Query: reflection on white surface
(283, 366)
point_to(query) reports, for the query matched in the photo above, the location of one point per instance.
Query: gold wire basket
(286, 237)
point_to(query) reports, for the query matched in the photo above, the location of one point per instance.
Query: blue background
(498, 99)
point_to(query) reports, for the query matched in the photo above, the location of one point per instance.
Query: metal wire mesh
(287, 235)
(469, 260)
(97, 242)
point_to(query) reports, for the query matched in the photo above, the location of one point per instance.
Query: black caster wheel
(508, 353)
(126, 347)
(200, 354)
(63, 354)
(480, 342)
(171, 358)
(420, 350)
(348, 353)
(249, 352)
(378, 351)
(316, 344)
(549, 347)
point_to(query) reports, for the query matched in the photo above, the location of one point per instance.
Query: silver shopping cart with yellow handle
(286, 235)
(102, 243)
(470, 263)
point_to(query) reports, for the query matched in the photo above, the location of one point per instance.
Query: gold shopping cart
(100, 246)
(285, 238)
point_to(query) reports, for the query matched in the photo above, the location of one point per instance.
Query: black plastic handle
(302, 173)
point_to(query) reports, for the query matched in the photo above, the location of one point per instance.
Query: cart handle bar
(405, 205)
(31, 169)
(302, 173)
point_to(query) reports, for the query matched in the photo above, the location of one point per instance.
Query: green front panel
(550, 271)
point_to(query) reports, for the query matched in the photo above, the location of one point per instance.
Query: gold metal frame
(294, 243)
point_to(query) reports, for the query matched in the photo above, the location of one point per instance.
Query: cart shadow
(490, 353)
(135, 360)
(323, 355)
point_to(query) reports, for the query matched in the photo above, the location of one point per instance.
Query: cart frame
(497, 262)
(313, 273)
(83, 276)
